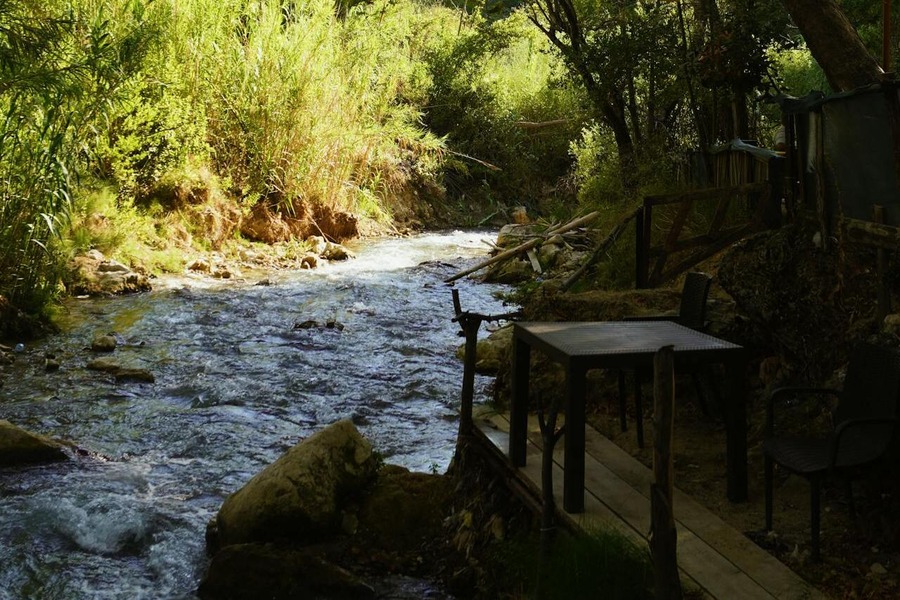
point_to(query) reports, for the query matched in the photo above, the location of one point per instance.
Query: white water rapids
(236, 385)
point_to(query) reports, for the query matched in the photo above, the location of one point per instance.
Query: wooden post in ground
(550, 435)
(884, 291)
(470, 324)
(663, 537)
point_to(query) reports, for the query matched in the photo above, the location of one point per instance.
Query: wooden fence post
(884, 291)
(663, 537)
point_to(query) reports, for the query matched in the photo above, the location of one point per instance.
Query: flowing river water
(237, 384)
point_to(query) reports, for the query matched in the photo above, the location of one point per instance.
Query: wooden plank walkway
(713, 557)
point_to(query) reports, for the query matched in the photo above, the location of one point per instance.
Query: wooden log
(507, 254)
(871, 234)
(535, 263)
(663, 536)
(601, 248)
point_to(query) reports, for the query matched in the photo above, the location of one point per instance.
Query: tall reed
(61, 64)
(302, 105)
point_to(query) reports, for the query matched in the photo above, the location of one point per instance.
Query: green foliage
(153, 132)
(492, 86)
(797, 71)
(122, 230)
(596, 171)
(600, 564)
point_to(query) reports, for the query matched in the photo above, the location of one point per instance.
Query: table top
(617, 338)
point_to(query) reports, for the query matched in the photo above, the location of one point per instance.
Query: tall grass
(303, 106)
(60, 66)
(598, 564)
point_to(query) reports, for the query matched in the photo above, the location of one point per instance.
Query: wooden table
(581, 346)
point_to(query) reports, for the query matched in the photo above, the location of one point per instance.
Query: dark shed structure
(843, 154)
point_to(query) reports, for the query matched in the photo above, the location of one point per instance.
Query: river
(238, 382)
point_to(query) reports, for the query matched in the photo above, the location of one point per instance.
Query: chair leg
(848, 486)
(638, 410)
(770, 476)
(623, 397)
(701, 396)
(815, 500)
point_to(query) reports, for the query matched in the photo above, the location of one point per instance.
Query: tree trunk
(834, 43)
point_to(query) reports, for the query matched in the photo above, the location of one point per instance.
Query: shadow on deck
(712, 556)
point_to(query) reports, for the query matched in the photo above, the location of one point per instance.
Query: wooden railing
(697, 225)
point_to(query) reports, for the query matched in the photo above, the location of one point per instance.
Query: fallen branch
(506, 254)
(542, 124)
(601, 249)
(473, 159)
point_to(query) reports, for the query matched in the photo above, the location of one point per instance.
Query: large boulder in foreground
(299, 497)
(19, 447)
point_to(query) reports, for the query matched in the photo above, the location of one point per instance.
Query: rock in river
(93, 274)
(299, 497)
(19, 447)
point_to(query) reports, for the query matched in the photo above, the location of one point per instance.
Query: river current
(238, 382)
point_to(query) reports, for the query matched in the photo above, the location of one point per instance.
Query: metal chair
(691, 313)
(863, 424)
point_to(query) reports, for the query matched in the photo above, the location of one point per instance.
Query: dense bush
(506, 109)
(369, 107)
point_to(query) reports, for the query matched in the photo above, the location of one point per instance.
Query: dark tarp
(859, 134)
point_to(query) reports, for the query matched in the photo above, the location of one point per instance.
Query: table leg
(735, 408)
(518, 408)
(573, 474)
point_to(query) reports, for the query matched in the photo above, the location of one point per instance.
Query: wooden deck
(712, 556)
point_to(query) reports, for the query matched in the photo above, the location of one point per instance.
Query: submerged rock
(336, 252)
(126, 375)
(122, 374)
(20, 447)
(104, 343)
(299, 497)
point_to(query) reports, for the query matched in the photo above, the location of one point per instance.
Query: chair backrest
(692, 312)
(872, 385)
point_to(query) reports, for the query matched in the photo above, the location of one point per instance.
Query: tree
(623, 53)
(834, 43)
